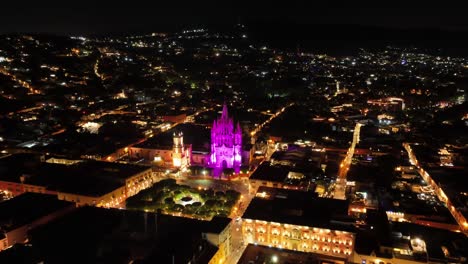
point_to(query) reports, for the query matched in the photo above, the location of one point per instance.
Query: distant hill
(346, 39)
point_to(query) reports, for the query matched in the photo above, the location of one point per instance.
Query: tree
(210, 203)
(232, 195)
(208, 193)
(178, 208)
(229, 203)
(166, 183)
(223, 213)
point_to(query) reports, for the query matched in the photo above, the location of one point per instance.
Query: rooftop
(399, 235)
(197, 135)
(264, 254)
(28, 207)
(89, 177)
(74, 144)
(281, 172)
(270, 173)
(120, 235)
(20, 253)
(453, 178)
(455, 243)
(298, 208)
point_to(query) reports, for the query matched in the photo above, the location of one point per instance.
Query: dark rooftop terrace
(89, 234)
(298, 208)
(197, 135)
(74, 144)
(92, 178)
(27, 208)
(456, 243)
(264, 254)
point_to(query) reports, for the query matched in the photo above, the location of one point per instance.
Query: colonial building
(180, 153)
(163, 153)
(19, 214)
(130, 236)
(85, 182)
(297, 220)
(226, 143)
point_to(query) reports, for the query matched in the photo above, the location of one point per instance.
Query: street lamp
(274, 259)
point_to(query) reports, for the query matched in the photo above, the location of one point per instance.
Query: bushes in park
(171, 197)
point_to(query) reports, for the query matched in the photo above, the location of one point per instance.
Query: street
(439, 192)
(340, 188)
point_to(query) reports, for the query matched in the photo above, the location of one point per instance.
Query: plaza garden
(172, 198)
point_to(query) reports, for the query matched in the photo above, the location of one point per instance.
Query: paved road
(273, 116)
(237, 243)
(439, 191)
(340, 188)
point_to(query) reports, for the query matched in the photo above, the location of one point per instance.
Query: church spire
(226, 142)
(225, 111)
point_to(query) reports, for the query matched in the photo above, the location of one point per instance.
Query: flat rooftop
(280, 173)
(399, 234)
(28, 207)
(264, 254)
(301, 158)
(20, 253)
(74, 144)
(87, 177)
(409, 203)
(454, 178)
(118, 236)
(197, 135)
(267, 172)
(454, 182)
(299, 208)
(456, 243)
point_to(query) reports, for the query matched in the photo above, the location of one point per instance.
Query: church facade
(226, 143)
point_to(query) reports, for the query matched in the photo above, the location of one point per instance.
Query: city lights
(250, 151)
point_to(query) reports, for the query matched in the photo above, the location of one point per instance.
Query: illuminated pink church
(226, 143)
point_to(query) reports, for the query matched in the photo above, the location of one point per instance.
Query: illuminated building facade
(226, 143)
(292, 220)
(173, 154)
(389, 103)
(298, 237)
(88, 182)
(180, 154)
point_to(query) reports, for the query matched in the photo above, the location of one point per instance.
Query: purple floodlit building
(226, 143)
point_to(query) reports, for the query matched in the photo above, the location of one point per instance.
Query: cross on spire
(225, 111)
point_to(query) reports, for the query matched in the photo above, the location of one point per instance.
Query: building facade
(299, 221)
(226, 143)
(87, 182)
(298, 237)
(222, 240)
(179, 155)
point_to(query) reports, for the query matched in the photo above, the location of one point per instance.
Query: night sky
(86, 17)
